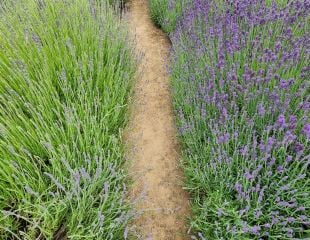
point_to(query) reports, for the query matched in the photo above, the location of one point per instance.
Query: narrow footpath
(153, 154)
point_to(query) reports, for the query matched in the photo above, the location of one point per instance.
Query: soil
(162, 204)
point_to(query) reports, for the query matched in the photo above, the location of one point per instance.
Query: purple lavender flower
(248, 176)
(100, 219)
(85, 174)
(224, 138)
(220, 212)
(257, 214)
(306, 130)
(58, 184)
(289, 159)
(261, 110)
(281, 123)
(292, 122)
(289, 138)
(106, 189)
(30, 191)
(299, 148)
(280, 169)
(255, 230)
(301, 209)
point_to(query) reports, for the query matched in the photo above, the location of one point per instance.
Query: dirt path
(154, 159)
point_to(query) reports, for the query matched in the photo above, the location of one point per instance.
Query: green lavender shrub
(65, 76)
(165, 13)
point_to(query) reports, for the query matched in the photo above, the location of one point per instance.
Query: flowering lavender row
(241, 91)
(65, 77)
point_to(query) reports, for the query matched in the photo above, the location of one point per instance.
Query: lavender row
(66, 70)
(241, 92)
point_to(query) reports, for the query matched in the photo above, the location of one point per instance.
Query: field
(154, 119)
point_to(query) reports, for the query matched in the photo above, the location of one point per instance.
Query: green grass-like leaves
(165, 13)
(65, 70)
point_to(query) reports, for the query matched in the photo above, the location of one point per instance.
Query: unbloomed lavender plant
(165, 13)
(65, 77)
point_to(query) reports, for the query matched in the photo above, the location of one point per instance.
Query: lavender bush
(240, 78)
(165, 13)
(65, 77)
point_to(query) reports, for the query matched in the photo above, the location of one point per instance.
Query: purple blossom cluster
(241, 90)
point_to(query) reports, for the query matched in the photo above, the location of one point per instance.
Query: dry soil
(154, 155)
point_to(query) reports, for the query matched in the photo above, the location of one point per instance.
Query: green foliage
(165, 13)
(65, 76)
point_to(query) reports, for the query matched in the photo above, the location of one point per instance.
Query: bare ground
(151, 135)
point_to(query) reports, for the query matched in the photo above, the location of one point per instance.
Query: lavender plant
(165, 13)
(241, 92)
(65, 77)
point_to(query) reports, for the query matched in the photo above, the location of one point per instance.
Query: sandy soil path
(154, 158)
